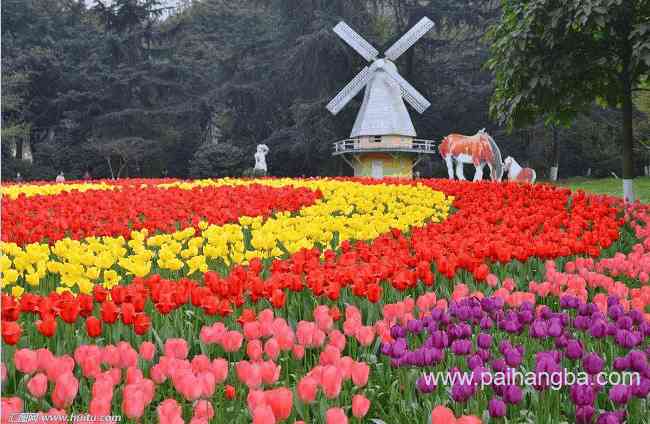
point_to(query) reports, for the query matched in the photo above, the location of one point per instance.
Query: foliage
(554, 59)
(217, 160)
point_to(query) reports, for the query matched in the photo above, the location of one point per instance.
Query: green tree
(558, 57)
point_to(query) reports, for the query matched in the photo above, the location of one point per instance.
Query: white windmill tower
(382, 141)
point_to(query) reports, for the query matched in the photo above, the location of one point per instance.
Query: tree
(558, 57)
(217, 160)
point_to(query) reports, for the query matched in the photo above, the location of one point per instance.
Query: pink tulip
(345, 366)
(133, 375)
(254, 350)
(128, 355)
(330, 355)
(252, 330)
(331, 382)
(147, 351)
(360, 372)
(307, 389)
(249, 374)
(254, 399)
(133, 401)
(157, 374)
(65, 390)
(360, 406)
(176, 348)
(200, 363)
(207, 383)
(281, 401)
(169, 412)
(232, 341)
(10, 406)
(45, 358)
(263, 414)
(298, 352)
(37, 385)
(26, 361)
(270, 372)
(305, 333)
(336, 416)
(285, 339)
(337, 339)
(219, 368)
(203, 409)
(272, 348)
(111, 356)
(365, 335)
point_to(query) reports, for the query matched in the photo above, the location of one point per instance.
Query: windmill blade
(408, 39)
(349, 91)
(410, 94)
(357, 42)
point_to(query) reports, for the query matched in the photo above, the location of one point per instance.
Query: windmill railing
(355, 145)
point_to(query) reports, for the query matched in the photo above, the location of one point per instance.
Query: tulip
(360, 406)
(335, 416)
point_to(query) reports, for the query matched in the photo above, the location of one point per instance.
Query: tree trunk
(556, 156)
(628, 141)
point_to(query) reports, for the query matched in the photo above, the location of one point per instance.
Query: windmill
(382, 141)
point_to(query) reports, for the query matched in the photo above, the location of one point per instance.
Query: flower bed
(336, 308)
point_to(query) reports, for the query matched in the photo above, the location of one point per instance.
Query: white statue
(260, 158)
(478, 149)
(517, 173)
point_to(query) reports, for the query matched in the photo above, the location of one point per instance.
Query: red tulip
(93, 327)
(46, 327)
(11, 332)
(230, 392)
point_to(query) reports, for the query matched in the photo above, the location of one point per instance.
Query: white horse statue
(260, 158)
(517, 173)
(478, 149)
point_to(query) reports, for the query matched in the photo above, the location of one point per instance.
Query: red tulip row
(117, 212)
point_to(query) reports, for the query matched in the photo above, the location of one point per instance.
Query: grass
(611, 186)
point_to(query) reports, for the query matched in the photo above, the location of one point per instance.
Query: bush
(217, 160)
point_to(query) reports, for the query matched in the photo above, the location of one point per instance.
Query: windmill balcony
(386, 144)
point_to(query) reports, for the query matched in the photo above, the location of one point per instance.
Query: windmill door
(378, 169)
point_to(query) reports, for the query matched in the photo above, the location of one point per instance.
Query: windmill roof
(383, 111)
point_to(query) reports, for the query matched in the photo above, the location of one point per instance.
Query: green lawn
(610, 186)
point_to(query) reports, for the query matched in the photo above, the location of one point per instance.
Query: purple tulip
(399, 348)
(425, 384)
(486, 323)
(497, 408)
(513, 358)
(461, 347)
(615, 312)
(598, 329)
(641, 389)
(574, 349)
(555, 327)
(638, 360)
(414, 326)
(474, 361)
(484, 341)
(462, 392)
(538, 329)
(620, 394)
(582, 395)
(593, 363)
(512, 394)
(626, 339)
(440, 339)
(621, 363)
(582, 322)
(499, 365)
(584, 414)
(609, 418)
(624, 323)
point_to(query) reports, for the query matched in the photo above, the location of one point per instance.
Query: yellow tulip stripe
(13, 191)
(346, 211)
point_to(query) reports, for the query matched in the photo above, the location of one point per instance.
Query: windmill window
(376, 139)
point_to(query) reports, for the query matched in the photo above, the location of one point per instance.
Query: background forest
(133, 88)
